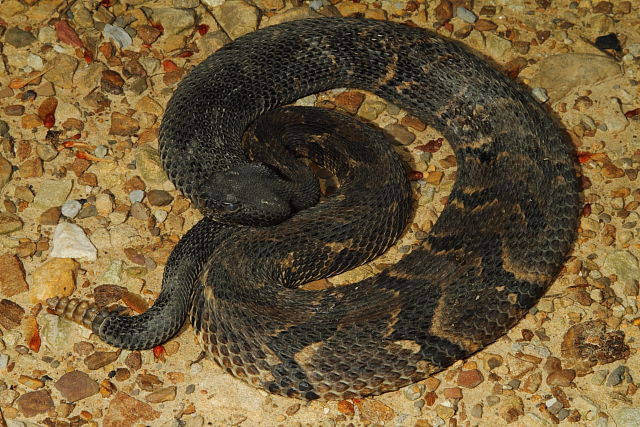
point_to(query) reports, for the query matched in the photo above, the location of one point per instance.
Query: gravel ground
(86, 210)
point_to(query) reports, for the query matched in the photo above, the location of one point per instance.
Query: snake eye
(230, 206)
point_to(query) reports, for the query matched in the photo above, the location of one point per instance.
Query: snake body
(501, 239)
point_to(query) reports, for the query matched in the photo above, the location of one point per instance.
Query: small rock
(561, 74)
(476, 411)
(540, 94)
(159, 198)
(163, 395)
(100, 359)
(445, 412)
(371, 109)
(76, 385)
(561, 377)
(293, 14)
(400, 133)
(70, 208)
(9, 223)
(149, 164)
(5, 172)
(511, 408)
(52, 193)
(466, 15)
(123, 125)
(175, 21)
(444, 11)
(18, 38)
(470, 378)
(70, 241)
(616, 376)
(350, 101)
(63, 67)
(11, 314)
(12, 279)
(532, 383)
(34, 403)
(375, 411)
(56, 277)
(497, 46)
(118, 35)
(237, 18)
(413, 392)
(50, 217)
(112, 82)
(124, 410)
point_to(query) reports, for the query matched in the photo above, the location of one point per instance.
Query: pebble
(4, 362)
(63, 68)
(237, 17)
(5, 172)
(174, 21)
(9, 223)
(18, 38)
(162, 395)
(540, 94)
(466, 15)
(118, 35)
(70, 208)
(70, 241)
(11, 314)
(470, 378)
(159, 198)
(52, 193)
(497, 46)
(560, 74)
(136, 196)
(76, 385)
(100, 359)
(34, 403)
(123, 125)
(125, 410)
(400, 133)
(511, 408)
(149, 165)
(476, 410)
(54, 278)
(12, 276)
(616, 376)
(625, 266)
(413, 392)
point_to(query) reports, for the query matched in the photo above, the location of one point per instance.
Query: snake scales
(501, 239)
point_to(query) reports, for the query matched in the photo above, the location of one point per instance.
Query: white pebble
(4, 361)
(136, 196)
(160, 215)
(70, 208)
(466, 15)
(69, 241)
(35, 62)
(540, 94)
(117, 34)
(101, 151)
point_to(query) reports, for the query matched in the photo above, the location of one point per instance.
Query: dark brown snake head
(247, 194)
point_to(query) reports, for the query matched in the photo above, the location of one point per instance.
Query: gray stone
(118, 35)
(70, 208)
(466, 15)
(18, 38)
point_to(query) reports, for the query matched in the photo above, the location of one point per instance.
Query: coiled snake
(500, 241)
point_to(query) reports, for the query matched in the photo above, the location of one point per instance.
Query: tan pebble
(171, 347)
(452, 393)
(375, 411)
(123, 125)
(32, 383)
(511, 408)
(349, 8)
(445, 412)
(104, 204)
(53, 278)
(163, 395)
(431, 384)
(532, 383)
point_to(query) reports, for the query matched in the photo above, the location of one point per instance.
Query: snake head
(246, 194)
